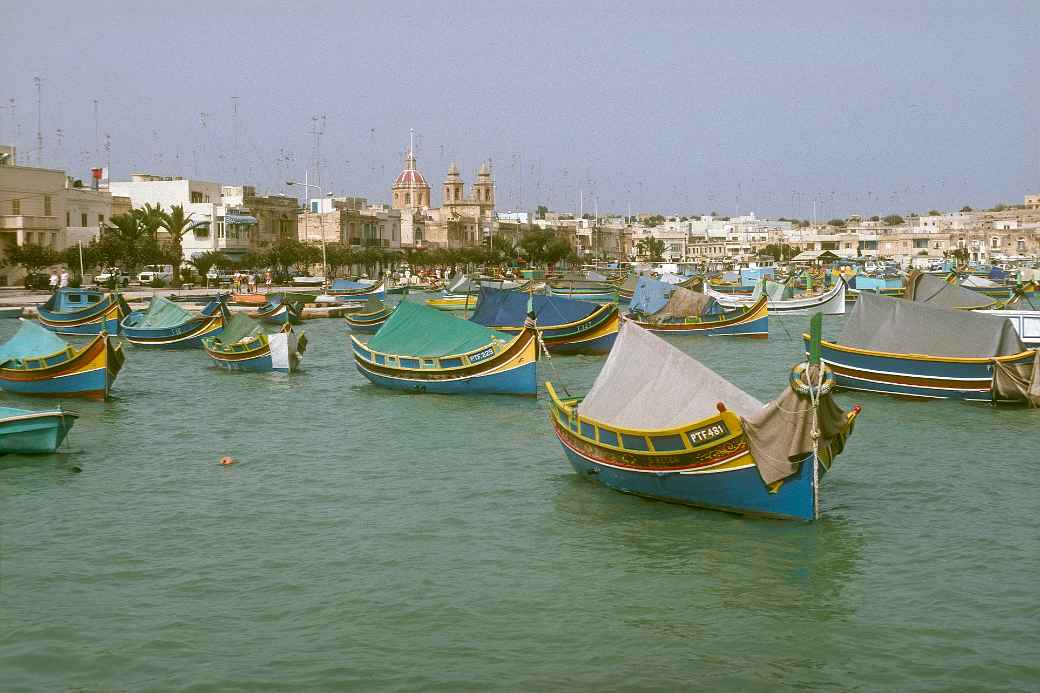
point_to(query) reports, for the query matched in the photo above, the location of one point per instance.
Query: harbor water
(383, 541)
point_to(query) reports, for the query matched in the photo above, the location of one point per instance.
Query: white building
(218, 224)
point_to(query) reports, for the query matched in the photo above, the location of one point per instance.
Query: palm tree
(651, 247)
(151, 218)
(177, 224)
(128, 236)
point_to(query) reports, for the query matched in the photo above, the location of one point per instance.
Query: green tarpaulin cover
(31, 341)
(163, 312)
(415, 330)
(240, 327)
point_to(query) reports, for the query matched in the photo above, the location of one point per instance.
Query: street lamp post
(321, 223)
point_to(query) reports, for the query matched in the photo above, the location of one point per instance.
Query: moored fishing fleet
(656, 422)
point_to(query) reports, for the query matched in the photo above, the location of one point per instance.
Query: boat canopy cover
(650, 296)
(415, 330)
(373, 305)
(997, 274)
(936, 291)
(473, 286)
(646, 383)
(630, 282)
(241, 327)
(669, 278)
(162, 312)
(973, 282)
(868, 282)
(347, 285)
(898, 326)
(775, 291)
(496, 308)
(684, 303)
(30, 341)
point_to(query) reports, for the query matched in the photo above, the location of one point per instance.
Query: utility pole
(97, 135)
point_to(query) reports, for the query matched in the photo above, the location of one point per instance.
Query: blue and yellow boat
(83, 312)
(167, 325)
(419, 349)
(278, 311)
(244, 346)
(917, 350)
(565, 325)
(25, 431)
(36, 362)
(658, 424)
(672, 309)
(370, 318)
(584, 290)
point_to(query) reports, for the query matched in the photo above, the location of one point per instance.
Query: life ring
(799, 380)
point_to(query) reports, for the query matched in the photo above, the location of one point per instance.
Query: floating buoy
(227, 460)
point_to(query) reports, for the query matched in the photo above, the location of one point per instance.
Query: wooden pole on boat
(815, 359)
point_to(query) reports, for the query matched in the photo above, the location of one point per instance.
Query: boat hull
(35, 432)
(454, 302)
(830, 303)
(594, 334)
(281, 314)
(594, 295)
(278, 352)
(187, 335)
(752, 322)
(511, 371)
(87, 373)
(104, 317)
(913, 376)
(368, 323)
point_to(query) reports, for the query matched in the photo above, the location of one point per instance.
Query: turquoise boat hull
(23, 431)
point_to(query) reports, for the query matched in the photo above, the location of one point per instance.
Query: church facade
(463, 219)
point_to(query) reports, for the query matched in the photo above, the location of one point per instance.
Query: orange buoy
(227, 459)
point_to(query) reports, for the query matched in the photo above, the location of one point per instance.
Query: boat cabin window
(93, 298)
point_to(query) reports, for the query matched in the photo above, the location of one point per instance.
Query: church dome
(410, 176)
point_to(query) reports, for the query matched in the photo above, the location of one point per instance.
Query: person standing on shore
(54, 281)
(268, 279)
(63, 281)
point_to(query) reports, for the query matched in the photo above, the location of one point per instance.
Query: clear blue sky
(678, 107)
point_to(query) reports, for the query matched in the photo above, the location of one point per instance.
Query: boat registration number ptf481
(708, 434)
(482, 356)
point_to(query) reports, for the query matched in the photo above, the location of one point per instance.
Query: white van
(153, 272)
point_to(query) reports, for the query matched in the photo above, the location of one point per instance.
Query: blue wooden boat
(25, 431)
(37, 362)
(566, 326)
(658, 424)
(917, 350)
(353, 293)
(370, 318)
(584, 290)
(419, 349)
(244, 346)
(167, 325)
(83, 311)
(672, 309)
(278, 311)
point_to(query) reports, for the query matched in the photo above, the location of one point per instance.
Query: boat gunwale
(977, 360)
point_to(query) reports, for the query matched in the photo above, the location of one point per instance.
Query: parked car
(153, 272)
(38, 280)
(113, 274)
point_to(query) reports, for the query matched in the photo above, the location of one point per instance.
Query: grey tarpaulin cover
(684, 303)
(899, 326)
(936, 291)
(646, 383)
(1018, 383)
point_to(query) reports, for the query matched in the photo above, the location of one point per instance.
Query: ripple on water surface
(386, 541)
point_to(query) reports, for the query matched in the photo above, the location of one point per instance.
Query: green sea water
(372, 540)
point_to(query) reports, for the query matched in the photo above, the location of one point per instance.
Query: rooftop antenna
(317, 131)
(97, 134)
(38, 81)
(108, 155)
(234, 135)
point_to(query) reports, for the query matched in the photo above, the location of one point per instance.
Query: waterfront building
(352, 221)
(46, 207)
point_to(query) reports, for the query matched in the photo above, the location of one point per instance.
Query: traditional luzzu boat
(37, 362)
(566, 326)
(884, 285)
(917, 350)
(679, 432)
(830, 302)
(370, 318)
(944, 293)
(83, 311)
(25, 431)
(278, 311)
(244, 346)
(353, 293)
(461, 293)
(167, 325)
(578, 286)
(671, 309)
(419, 349)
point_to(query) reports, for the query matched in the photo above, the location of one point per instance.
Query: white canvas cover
(648, 383)
(898, 326)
